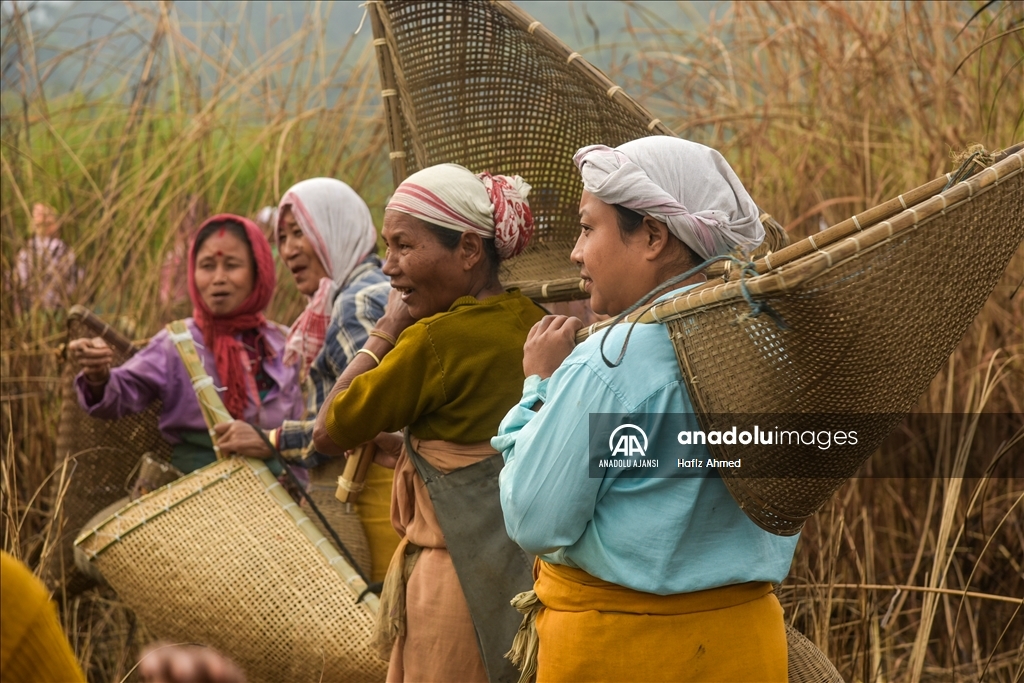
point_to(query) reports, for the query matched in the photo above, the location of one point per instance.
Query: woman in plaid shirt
(326, 237)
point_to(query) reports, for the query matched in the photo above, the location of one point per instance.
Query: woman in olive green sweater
(445, 362)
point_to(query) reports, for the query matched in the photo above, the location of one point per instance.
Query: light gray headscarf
(688, 186)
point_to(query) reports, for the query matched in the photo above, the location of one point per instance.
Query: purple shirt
(157, 372)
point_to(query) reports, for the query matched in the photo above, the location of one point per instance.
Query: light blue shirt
(656, 535)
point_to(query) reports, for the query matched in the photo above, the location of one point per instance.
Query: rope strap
(747, 270)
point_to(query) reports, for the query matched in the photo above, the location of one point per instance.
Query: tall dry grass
(167, 116)
(824, 109)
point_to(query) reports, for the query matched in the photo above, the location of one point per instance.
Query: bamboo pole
(389, 92)
(212, 407)
(98, 327)
(353, 479)
(903, 587)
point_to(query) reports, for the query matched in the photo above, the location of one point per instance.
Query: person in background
(46, 271)
(326, 237)
(231, 280)
(655, 578)
(266, 218)
(174, 270)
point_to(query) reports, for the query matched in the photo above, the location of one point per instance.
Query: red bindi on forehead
(220, 253)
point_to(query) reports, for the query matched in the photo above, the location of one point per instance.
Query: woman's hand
(389, 447)
(240, 438)
(94, 357)
(549, 343)
(190, 664)
(396, 315)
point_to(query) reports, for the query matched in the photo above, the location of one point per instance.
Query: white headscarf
(689, 187)
(338, 225)
(452, 196)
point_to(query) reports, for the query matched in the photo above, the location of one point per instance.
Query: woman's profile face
(429, 276)
(297, 253)
(225, 273)
(614, 270)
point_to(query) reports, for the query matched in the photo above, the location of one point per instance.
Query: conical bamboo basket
(225, 557)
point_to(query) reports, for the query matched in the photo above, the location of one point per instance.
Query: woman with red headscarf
(230, 279)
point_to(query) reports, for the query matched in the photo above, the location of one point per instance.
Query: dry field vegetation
(824, 109)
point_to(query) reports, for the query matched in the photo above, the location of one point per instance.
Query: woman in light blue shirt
(640, 578)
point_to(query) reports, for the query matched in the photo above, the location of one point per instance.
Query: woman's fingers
(91, 349)
(550, 341)
(396, 315)
(241, 438)
(570, 325)
(544, 324)
(176, 664)
(94, 356)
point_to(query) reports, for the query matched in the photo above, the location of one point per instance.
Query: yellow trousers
(374, 509)
(593, 630)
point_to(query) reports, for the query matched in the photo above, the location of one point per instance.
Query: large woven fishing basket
(863, 314)
(225, 557)
(95, 457)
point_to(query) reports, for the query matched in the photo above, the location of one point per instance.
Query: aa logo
(625, 441)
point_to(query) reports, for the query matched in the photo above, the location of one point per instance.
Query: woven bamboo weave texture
(484, 85)
(225, 557)
(870, 320)
(98, 455)
(808, 664)
(237, 565)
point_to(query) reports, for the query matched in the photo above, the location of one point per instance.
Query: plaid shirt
(357, 307)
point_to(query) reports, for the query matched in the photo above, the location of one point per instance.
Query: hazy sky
(63, 24)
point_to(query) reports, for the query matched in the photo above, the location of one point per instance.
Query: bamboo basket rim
(394, 89)
(614, 92)
(784, 277)
(95, 541)
(557, 289)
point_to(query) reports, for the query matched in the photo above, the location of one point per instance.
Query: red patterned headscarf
(452, 196)
(219, 331)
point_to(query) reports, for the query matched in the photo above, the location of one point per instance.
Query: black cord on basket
(747, 270)
(370, 587)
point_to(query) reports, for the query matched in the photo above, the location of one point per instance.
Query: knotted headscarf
(689, 187)
(452, 196)
(219, 331)
(338, 225)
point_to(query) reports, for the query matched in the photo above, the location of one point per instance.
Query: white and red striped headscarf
(338, 225)
(452, 196)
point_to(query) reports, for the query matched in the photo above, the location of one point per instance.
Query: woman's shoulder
(471, 313)
(646, 351)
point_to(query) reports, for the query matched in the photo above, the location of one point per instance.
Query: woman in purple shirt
(231, 280)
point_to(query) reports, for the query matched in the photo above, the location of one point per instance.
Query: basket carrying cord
(215, 413)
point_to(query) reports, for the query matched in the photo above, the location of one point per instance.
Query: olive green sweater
(452, 376)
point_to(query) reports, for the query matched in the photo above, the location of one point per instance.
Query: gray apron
(491, 568)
